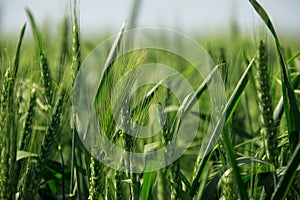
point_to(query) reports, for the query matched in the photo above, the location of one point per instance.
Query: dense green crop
(256, 155)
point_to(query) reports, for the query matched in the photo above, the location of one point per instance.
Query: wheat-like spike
(227, 186)
(4, 143)
(167, 137)
(3, 98)
(26, 190)
(76, 60)
(26, 131)
(265, 104)
(96, 181)
(52, 129)
(3, 175)
(174, 168)
(92, 180)
(27, 128)
(46, 79)
(51, 132)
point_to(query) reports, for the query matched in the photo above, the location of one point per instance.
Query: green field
(255, 149)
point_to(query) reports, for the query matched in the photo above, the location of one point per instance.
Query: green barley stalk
(77, 156)
(76, 59)
(8, 127)
(26, 133)
(269, 131)
(174, 168)
(12, 121)
(289, 98)
(52, 131)
(129, 143)
(27, 128)
(26, 191)
(163, 186)
(226, 115)
(227, 183)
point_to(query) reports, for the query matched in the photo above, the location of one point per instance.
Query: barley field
(51, 148)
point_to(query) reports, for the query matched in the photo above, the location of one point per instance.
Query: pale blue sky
(185, 15)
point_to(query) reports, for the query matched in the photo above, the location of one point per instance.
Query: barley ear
(76, 58)
(52, 131)
(92, 182)
(8, 127)
(27, 128)
(269, 132)
(46, 79)
(4, 142)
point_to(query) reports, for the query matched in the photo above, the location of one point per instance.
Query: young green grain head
(53, 128)
(28, 124)
(269, 132)
(46, 78)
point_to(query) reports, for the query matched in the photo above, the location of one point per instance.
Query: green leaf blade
(289, 99)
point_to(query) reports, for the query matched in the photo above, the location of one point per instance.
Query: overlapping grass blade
(18, 51)
(46, 77)
(289, 99)
(148, 181)
(190, 100)
(233, 163)
(54, 126)
(9, 126)
(64, 49)
(211, 189)
(286, 181)
(36, 33)
(278, 111)
(226, 115)
(111, 57)
(291, 59)
(149, 96)
(201, 89)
